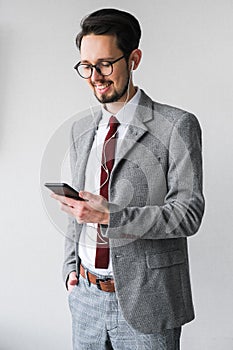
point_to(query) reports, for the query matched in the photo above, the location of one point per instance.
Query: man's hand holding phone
(93, 209)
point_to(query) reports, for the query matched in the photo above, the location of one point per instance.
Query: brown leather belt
(106, 284)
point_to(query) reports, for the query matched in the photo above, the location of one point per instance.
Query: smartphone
(63, 189)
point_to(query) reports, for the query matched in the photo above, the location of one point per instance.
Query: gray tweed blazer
(156, 202)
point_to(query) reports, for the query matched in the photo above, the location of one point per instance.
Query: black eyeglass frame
(96, 66)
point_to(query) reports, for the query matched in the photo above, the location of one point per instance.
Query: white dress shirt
(87, 243)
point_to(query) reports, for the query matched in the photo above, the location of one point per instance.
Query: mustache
(102, 81)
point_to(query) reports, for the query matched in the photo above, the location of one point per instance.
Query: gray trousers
(98, 324)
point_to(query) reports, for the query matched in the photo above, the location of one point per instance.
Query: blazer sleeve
(69, 263)
(183, 207)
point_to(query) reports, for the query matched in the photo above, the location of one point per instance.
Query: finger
(58, 197)
(96, 202)
(73, 281)
(87, 195)
(71, 202)
(55, 196)
(72, 275)
(67, 209)
(64, 200)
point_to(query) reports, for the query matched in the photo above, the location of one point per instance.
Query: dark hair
(110, 21)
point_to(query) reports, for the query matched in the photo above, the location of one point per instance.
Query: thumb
(86, 195)
(73, 278)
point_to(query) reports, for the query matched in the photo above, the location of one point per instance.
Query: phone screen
(63, 189)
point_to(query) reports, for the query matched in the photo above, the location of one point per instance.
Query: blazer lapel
(85, 142)
(137, 127)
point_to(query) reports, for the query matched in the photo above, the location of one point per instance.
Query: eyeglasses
(103, 67)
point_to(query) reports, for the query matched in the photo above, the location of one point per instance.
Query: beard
(116, 94)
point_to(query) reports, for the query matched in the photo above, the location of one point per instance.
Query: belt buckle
(98, 280)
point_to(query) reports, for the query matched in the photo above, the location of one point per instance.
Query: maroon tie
(108, 155)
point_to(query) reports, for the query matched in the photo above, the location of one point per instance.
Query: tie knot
(113, 122)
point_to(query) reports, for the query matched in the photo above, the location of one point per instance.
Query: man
(126, 259)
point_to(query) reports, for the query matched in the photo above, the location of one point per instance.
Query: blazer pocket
(162, 260)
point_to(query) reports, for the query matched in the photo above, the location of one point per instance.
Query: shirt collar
(125, 114)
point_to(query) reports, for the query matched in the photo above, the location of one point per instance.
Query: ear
(135, 58)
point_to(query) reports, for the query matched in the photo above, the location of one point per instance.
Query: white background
(187, 62)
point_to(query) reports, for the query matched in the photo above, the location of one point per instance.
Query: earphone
(132, 66)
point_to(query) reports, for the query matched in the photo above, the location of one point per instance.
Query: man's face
(111, 88)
